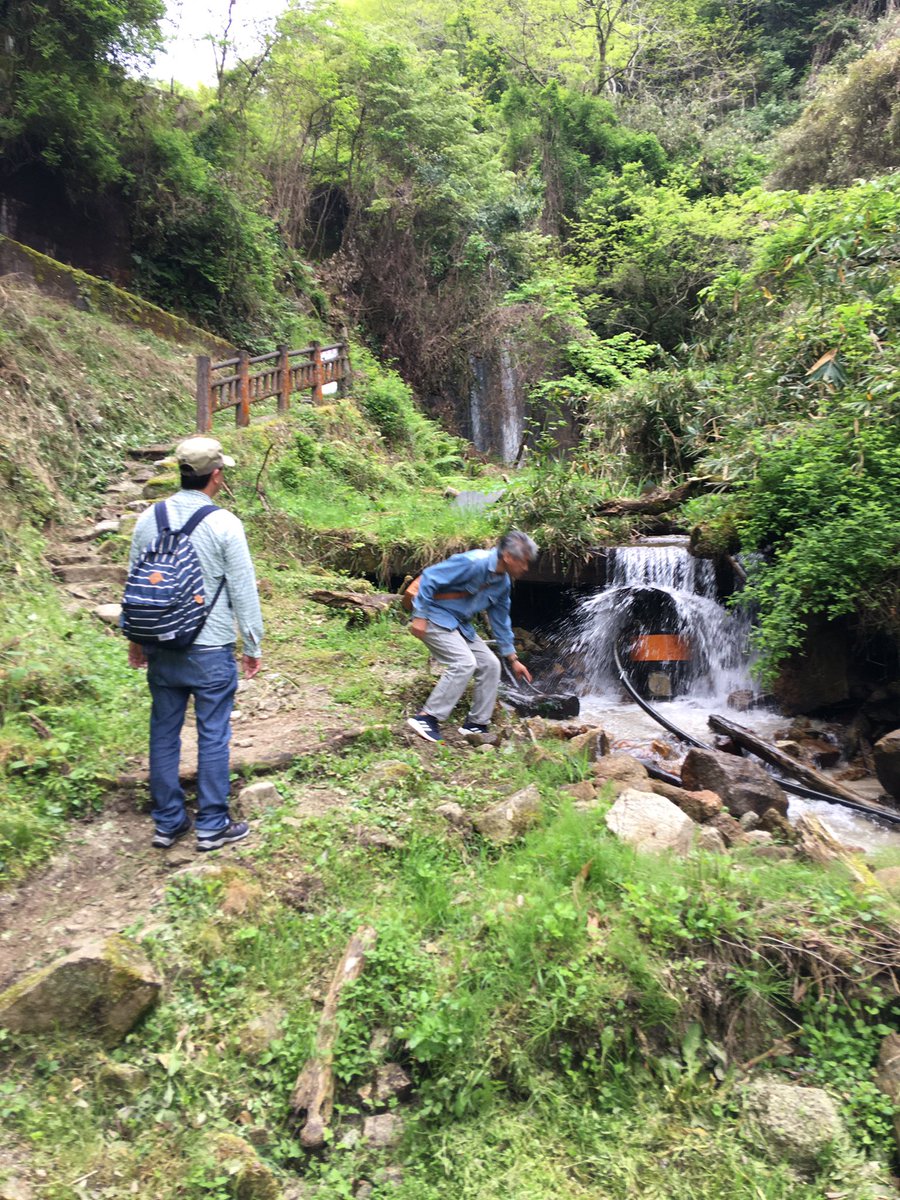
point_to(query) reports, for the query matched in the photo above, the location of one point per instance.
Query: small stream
(690, 657)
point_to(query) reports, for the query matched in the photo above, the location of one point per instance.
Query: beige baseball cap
(202, 455)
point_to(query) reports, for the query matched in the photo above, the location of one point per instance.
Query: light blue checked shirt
(222, 549)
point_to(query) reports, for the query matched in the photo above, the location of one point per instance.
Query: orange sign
(660, 647)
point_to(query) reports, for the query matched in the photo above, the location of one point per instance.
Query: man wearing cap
(449, 595)
(206, 670)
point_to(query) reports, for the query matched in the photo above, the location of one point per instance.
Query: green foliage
(851, 127)
(65, 97)
(571, 142)
(201, 243)
(825, 503)
(840, 1041)
(67, 709)
(648, 249)
(387, 401)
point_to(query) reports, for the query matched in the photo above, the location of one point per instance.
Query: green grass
(338, 495)
(575, 1017)
(557, 1037)
(70, 712)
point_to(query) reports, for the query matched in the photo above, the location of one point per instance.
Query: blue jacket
(474, 572)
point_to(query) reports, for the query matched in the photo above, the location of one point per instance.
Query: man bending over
(449, 596)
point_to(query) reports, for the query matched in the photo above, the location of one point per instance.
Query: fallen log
(265, 764)
(789, 766)
(314, 1090)
(368, 603)
(659, 500)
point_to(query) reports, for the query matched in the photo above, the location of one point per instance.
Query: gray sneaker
(162, 841)
(235, 831)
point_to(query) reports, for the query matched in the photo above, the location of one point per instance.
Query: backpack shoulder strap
(162, 516)
(194, 520)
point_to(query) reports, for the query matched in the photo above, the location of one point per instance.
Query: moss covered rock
(252, 1179)
(160, 485)
(799, 1126)
(104, 988)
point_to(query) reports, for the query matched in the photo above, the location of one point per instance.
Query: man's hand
(250, 665)
(519, 670)
(137, 656)
(417, 626)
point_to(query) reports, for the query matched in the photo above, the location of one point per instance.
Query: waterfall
(496, 407)
(660, 609)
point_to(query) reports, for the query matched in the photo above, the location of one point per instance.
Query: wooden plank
(242, 412)
(318, 376)
(314, 1090)
(204, 399)
(284, 380)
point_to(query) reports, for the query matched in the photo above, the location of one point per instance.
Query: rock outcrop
(886, 754)
(743, 785)
(103, 987)
(650, 822)
(508, 819)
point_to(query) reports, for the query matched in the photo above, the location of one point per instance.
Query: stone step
(160, 450)
(122, 488)
(66, 556)
(142, 474)
(91, 572)
(158, 487)
(106, 525)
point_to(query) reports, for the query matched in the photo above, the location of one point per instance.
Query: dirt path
(109, 877)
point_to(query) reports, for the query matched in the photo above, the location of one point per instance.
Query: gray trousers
(462, 661)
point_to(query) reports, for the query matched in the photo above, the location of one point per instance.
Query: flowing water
(496, 408)
(658, 588)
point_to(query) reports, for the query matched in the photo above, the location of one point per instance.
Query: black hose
(796, 789)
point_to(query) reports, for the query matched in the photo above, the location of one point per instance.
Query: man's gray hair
(518, 545)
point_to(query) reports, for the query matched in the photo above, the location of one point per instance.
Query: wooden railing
(279, 374)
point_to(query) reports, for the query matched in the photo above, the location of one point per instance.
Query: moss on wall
(89, 293)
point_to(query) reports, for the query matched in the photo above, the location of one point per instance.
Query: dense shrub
(851, 129)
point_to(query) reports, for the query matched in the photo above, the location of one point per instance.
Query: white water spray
(662, 589)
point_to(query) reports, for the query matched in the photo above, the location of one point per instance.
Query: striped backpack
(164, 602)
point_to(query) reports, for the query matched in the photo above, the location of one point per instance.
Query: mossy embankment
(575, 1018)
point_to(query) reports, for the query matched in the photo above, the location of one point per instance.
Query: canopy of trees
(598, 185)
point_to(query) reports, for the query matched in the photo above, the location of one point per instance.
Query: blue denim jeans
(209, 674)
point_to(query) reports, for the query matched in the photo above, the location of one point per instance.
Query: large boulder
(103, 987)
(507, 820)
(650, 822)
(622, 770)
(790, 1124)
(743, 785)
(888, 1077)
(886, 753)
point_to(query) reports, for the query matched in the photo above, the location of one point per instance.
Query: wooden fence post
(318, 374)
(284, 379)
(204, 407)
(242, 410)
(344, 370)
